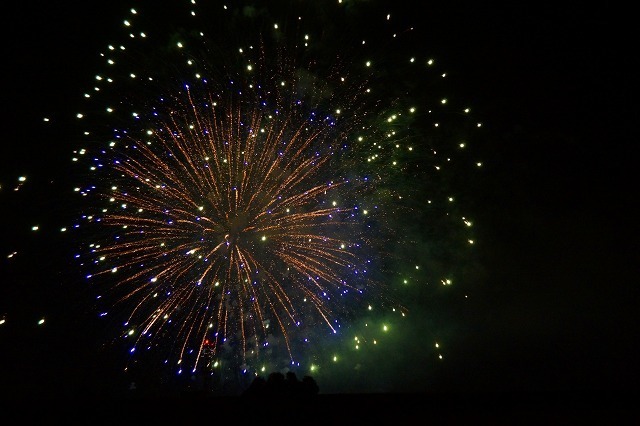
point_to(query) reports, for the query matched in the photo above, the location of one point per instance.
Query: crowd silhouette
(279, 384)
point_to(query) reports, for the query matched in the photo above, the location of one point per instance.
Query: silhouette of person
(275, 384)
(256, 388)
(293, 385)
(309, 386)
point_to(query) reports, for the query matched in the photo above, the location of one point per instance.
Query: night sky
(553, 290)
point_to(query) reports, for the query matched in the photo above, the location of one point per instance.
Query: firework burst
(247, 195)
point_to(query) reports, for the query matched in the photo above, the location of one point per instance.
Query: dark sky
(557, 227)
